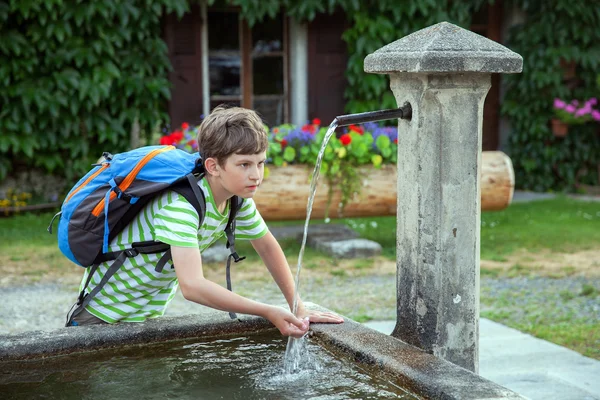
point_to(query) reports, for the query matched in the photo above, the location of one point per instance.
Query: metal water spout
(404, 112)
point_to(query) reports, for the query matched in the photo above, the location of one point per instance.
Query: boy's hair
(230, 130)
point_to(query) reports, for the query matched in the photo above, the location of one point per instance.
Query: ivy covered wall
(74, 76)
(553, 30)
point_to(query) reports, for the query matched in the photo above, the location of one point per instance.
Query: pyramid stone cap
(444, 47)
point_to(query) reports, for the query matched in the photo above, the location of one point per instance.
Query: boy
(233, 144)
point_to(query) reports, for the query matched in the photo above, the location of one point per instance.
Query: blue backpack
(109, 196)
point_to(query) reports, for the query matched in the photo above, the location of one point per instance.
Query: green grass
(561, 224)
(548, 314)
(582, 336)
(589, 291)
(362, 318)
(27, 230)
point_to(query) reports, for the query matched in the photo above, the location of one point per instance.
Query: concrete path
(532, 367)
(523, 196)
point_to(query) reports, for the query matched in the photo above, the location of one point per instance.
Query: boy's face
(242, 174)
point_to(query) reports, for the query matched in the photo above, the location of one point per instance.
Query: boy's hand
(287, 323)
(323, 317)
(318, 316)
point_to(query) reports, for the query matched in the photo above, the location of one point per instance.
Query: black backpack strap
(235, 205)
(85, 298)
(190, 190)
(163, 260)
(147, 247)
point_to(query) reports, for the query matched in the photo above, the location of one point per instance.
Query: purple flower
(370, 126)
(558, 103)
(298, 138)
(389, 131)
(570, 108)
(592, 102)
(596, 115)
(582, 111)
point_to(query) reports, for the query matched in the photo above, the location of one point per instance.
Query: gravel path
(534, 299)
(43, 306)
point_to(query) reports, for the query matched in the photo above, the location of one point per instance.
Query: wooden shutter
(183, 39)
(488, 22)
(327, 60)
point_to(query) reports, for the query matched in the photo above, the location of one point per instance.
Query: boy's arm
(196, 288)
(272, 255)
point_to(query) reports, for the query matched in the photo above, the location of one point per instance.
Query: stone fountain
(444, 73)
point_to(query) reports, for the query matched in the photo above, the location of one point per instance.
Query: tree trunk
(283, 195)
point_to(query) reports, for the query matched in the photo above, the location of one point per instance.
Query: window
(248, 67)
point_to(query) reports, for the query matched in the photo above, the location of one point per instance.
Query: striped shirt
(136, 291)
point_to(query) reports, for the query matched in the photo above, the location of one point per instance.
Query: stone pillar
(444, 72)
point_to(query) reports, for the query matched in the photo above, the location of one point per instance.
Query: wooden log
(283, 195)
(8, 211)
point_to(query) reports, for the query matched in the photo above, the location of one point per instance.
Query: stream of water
(296, 359)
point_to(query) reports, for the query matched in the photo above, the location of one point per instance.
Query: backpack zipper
(88, 180)
(130, 177)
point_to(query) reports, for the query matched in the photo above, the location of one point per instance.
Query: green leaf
(289, 154)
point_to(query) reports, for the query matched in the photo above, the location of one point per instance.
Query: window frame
(247, 97)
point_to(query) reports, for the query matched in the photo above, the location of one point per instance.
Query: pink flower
(558, 103)
(570, 108)
(593, 101)
(596, 115)
(582, 111)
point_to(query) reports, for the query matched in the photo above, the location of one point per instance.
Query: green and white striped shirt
(137, 291)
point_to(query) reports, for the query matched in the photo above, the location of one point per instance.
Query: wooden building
(287, 71)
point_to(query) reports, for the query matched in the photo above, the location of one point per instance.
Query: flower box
(559, 128)
(361, 163)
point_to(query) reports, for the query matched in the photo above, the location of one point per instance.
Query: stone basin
(384, 356)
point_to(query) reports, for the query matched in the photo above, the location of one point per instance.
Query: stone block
(317, 232)
(350, 248)
(216, 253)
(326, 234)
(443, 47)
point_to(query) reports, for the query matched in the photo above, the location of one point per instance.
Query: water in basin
(246, 367)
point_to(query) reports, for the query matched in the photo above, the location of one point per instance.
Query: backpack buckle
(236, 257)
(131, 252)
(82, 297)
